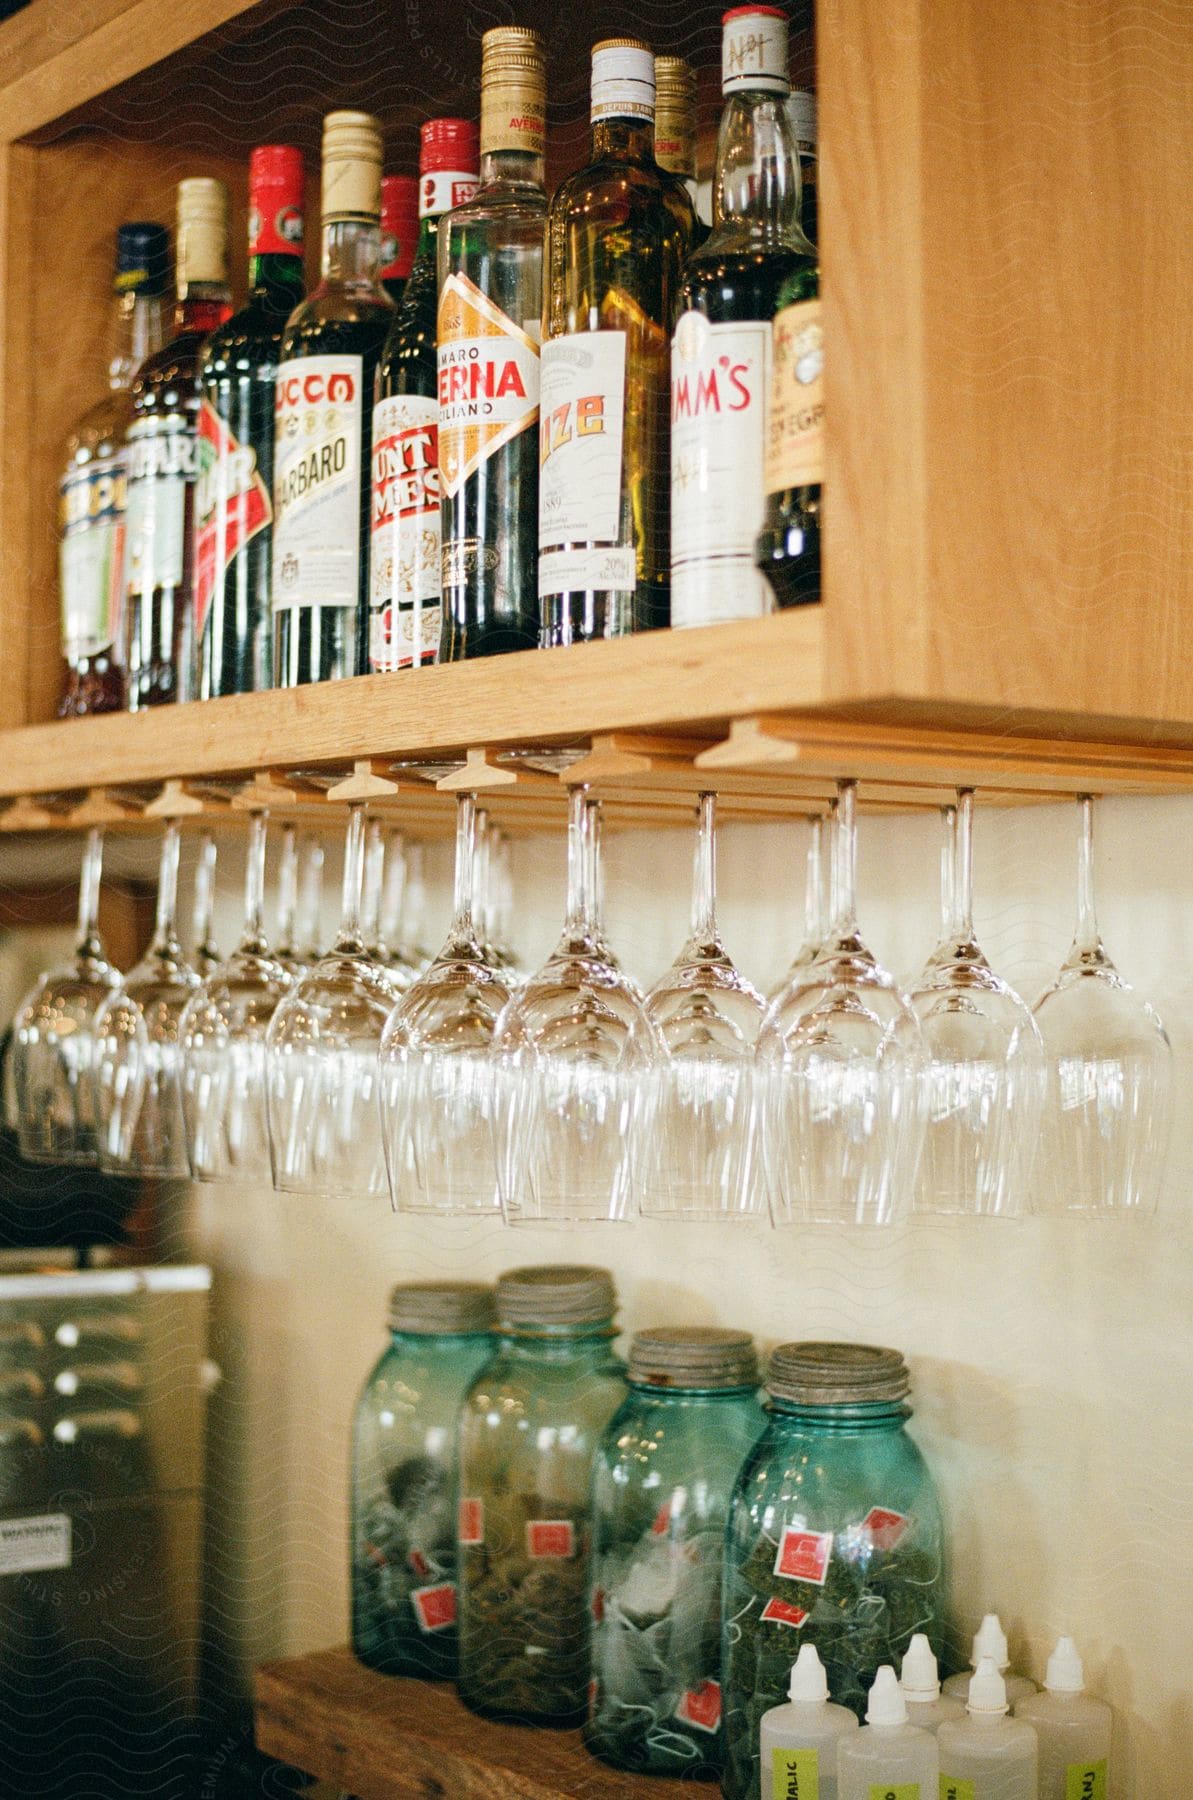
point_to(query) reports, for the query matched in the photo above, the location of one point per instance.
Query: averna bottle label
(404, 591)
(795, 425)
(90, 556)
(488, 381)
(231, 506)
(161, 462)
(316, 483)
(719, 379)
(581, 421)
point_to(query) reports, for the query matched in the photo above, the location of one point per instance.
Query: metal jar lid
(837, 1374)
(695, 1356)
(451, 1306)
(555, 1294)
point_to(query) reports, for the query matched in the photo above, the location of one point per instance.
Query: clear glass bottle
(888, 1759)
(662, 1481)
(988, 1755)
(614, 260)
(399, 232)
(404, 1478)
(91, 514)
(322, 485)
(1074, 1730)
(802, 112)
(834, 1539)
(529, 1430)
(490, 307)
(675, 141)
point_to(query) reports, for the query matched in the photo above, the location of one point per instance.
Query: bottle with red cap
(399, 232)
(404, 577)
(233, 623)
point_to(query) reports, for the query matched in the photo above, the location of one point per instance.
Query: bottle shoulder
(507, 203)
(251, 336)
(337, 320)
(166, 381)
(606, 182)
(737, 281)
(100, 431)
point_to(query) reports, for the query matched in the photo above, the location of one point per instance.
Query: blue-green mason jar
(404, 1478)
(529, 1431)
(662, 1484)
(834, 1539)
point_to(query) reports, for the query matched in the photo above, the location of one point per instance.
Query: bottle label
(512, 116)
(404, 609)
(161, 464)
(581, 414)
(1086, 1781)
(470, 1525)
(316, 483)
(782, 1612)
(275, 226)
(91, 557)
(231, 506)
(795, 422)
(719, 383)
(754, 54)
(434, 1607)
(700, 1707)
(804, 1555)
(441, 189)
(795, 1774)
(953, 1788)
(488, 381)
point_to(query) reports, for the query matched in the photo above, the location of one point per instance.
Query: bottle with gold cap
(490, 306)
(675, 138)
(324, 423)
(614, 261)
(162, 459)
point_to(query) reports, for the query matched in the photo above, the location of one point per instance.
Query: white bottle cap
(990, 1640)
(809, 1683)
(886, 1705)
(987, 1690)
(920, 1677)
(1065, 1673)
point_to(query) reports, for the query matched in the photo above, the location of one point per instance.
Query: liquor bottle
(399, 232)
(404, 603)
(720, 358)
(91, 491)
(787, 549)
(801, 110)
(324, 423)
(163, 459)
(233, 501)
(490, 312)
(614, 256)
(675, 137)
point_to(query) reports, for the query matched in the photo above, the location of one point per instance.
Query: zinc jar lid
(433, 1306)
(555, 1294)
(837, 1374)
(692, 1356)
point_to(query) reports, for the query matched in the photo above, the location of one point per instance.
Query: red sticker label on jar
(598, 1604)
(418, 1563)
(781, 1612)
(662, 1520)
(471, 1522)
(804, 1555)
(883, 1527)
(594, 1694)
(434, 1607)
(550, 1537)
(701, 1706)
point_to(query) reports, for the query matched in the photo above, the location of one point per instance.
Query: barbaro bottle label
(795, 423)
(90, 557)
(316, 483)
(488, 381)
(404, 608)
(231, 507)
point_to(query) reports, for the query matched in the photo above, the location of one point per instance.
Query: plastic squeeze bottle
(1073, 1730)
(920, 1681)
(798, 1741)
(990, 1640)
(888, 1757)
(987, 1756)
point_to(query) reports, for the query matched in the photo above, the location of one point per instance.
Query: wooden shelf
(384, 1739)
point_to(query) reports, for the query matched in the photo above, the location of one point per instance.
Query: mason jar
(529, 1430)
(662, 1484)
(834, 1539)
(404, 1478)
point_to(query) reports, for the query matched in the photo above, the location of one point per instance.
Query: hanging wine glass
(983, 1074)
(54, 1040)
(696, 1160)
(206, 959)
(308, 926)
(572, 1052)
(816, 915)
(436, 1077)
(286, 949)
(321, 1057)
(838, 1066)
(388, 950)
(1109, 1075)
(138, 1097)
(222, 1034)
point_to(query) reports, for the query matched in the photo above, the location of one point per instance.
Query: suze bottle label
(581, 420)
(404, 604)
(795, 423)
(719, 380)
(1086, 1781)
(161, 464)
(91, 556)
(488, 381)
(231, 507)
(316, 483)
(795, 1774)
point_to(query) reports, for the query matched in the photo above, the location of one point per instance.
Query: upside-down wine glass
(838, 1068)
(206, 958)
(1109, 1072)
(696, 1161)
(983, 1073)
(436, 1077)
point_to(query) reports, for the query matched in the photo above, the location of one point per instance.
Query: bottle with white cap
(798, 1740)
(920, 1681)
(990, 1640)
(889, 1755)
(989, 1755)
(1073, 1728)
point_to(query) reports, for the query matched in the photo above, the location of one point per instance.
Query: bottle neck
(757, 179)
(276, 280)
(427, 248)
(873, 1416)
(351, 252)
(535, 1340)
(513, 168)
(203, 306)
(623, 140)
(136, 334)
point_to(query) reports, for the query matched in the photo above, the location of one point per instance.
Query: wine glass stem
(204, 916)
(253, 938)
(165, 930)
(463, 917)
(349, 939)
(483, 897)
(311, 898)
(704, 876)
(1088, 936)
(814, 882)
(287, 888)
(89, 880)
(948, 817)
(579, 898)
(963, 867)
(845, 862)
(394, 890)
(373, 880)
